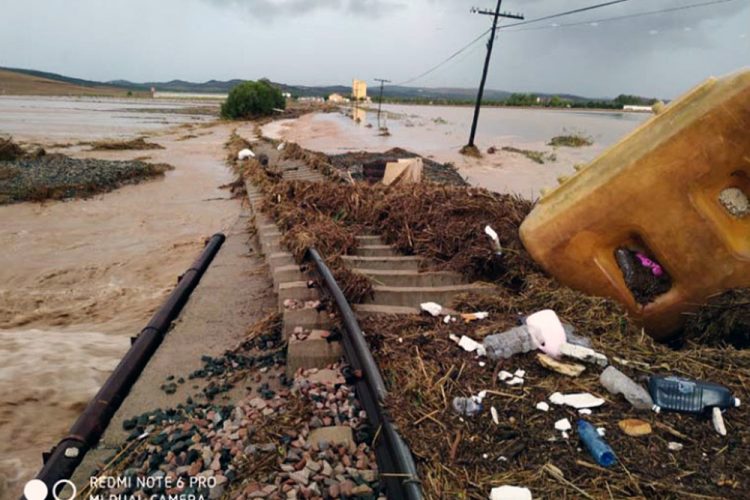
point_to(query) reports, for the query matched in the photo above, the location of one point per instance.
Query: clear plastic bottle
(689, 396)
(507, 344)
(617, 382)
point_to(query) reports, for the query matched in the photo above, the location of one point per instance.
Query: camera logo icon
(37, 490)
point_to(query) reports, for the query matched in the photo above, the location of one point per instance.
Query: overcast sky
(313, 42)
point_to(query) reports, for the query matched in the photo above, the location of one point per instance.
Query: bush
(252, 99)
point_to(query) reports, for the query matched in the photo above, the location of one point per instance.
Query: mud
(79, 278)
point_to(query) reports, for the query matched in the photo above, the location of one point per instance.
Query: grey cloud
(270, 9)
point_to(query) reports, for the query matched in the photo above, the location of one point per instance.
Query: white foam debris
(563, 425)
(280, 146)
(601, 431)
(244, 154)
(520, 373)
(454, 338)
(510, 492)
(447, 319)
(482, 364)
(504, 375)
(541, 405)
(431, 307)
(470, 345)
(515, 381)
(578, 400)
(674, 446)
(495, 415)
(584, 411)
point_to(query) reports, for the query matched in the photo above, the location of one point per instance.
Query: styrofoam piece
(431, 307)
(542, 406)
(470, 345)
(577, 400)
(495, 415)
(563, 425)
(504, 375)
(546, 331)
(515, 381)
(244, 154)
(510, 493)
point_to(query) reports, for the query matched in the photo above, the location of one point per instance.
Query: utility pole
(380, 100)
(495, 15)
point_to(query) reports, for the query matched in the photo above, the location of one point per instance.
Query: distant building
(311, 99)
(359, 90)
(640, 109)
(337, 98)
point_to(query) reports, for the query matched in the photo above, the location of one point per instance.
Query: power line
(479, 37)
(618, 18)
(449, 58)
(566, 13)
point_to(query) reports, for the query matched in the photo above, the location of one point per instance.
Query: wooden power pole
(495, 15)
(380, 99)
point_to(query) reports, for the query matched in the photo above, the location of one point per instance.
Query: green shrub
(252, 99)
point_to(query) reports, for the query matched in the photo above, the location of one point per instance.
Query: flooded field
(438, 132)
(59, 119)
(78, 278)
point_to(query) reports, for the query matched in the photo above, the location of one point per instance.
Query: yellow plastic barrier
(674, 190)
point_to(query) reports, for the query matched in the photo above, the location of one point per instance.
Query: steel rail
(396, 463)
(61, 462)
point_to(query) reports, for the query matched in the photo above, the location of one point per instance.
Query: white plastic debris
(482, 364)
(565, 435)
(583, 354)
(578, 400)
(520, 373)
(280, 146)
(494, 240)
(503, 375)
(541, 405)
(447, 319)
(718, 420)
(674, 446)
(454, 338)
(601, 431)
(482, 395)
(515, 381)
(470, 345)
(584, 411)
(495, 415)
(563, 425)
(432, 308)
(244, 154)
(546, 331)
(510, 493)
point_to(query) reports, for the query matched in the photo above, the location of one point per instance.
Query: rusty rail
(63, 459)
(395, 461)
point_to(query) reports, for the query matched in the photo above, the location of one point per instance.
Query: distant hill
(49, 83)
(29, 82)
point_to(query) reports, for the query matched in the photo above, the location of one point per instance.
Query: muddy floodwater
(438, 132)
(78, 278)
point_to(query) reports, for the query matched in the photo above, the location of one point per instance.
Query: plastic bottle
(617, 382)
(599, 449)
(507, 344)
(467, 406)
(689, 396)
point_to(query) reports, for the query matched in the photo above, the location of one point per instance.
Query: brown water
(439, 132)
(79, 278)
